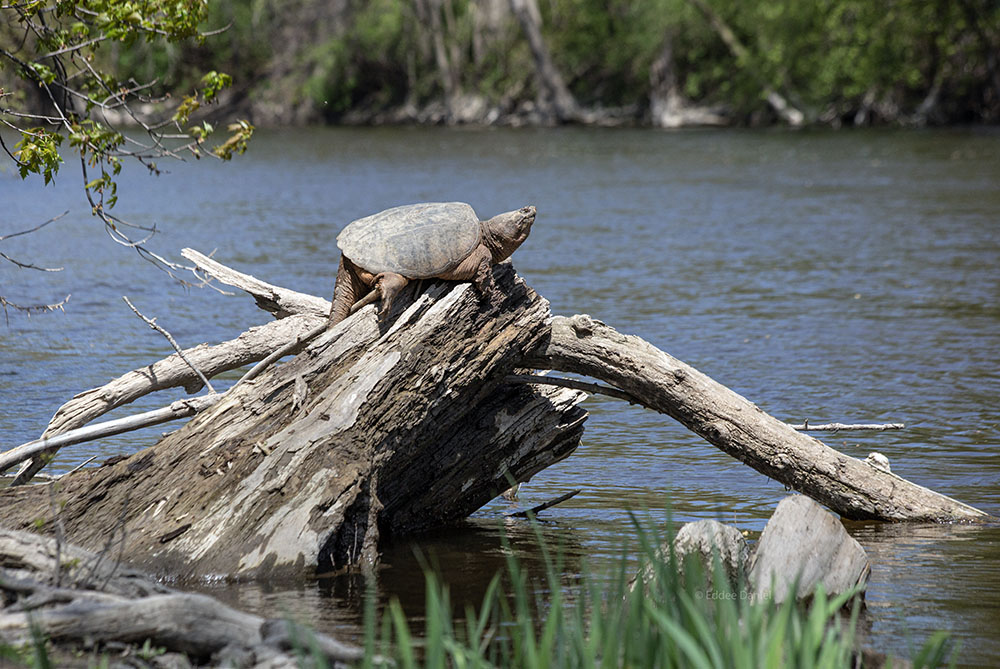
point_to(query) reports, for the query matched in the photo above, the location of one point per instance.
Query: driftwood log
(77, 598)
(735, 425)
(364, 434)
(379, 429)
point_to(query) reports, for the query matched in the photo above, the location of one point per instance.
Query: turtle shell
(418, 241)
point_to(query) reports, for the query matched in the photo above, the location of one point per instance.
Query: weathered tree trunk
(555, 96)
(729, 421)
(364, 433)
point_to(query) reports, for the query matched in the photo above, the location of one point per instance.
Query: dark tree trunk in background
(555, 97)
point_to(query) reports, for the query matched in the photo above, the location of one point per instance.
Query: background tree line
(835, 61)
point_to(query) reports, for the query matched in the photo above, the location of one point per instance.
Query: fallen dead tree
(729, 421)
(366, 433)
(376, 429)
(75, 598)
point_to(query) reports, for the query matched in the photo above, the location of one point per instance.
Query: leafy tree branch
(65, 94)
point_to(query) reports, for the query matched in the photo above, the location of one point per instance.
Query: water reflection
(933, 577)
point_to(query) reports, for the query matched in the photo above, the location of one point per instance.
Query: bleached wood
(78, 597)
(848, 427)
(277, 300)
(371, 429)
(730, 422)
(251, 346)
(48, 445)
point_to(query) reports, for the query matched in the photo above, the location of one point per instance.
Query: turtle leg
(389, 285)
(350, 287)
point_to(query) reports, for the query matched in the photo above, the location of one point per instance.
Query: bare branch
(25, 265)
(841, 427)
(31, 308)
(151, 322)
(534, 511)
(75, 47)
(275, 299)
(251, 346)
(178, 409)
(37, 227)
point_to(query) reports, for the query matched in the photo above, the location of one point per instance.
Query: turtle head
(505, 232)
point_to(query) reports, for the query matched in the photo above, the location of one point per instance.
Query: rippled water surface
(851, 276)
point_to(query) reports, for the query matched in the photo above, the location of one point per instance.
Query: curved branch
(728, 421)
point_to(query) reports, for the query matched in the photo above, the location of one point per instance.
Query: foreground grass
(683, 617)
(680, 617)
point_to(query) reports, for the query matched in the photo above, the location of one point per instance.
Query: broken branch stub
(730, 422)
(365, 432)
(279, 301)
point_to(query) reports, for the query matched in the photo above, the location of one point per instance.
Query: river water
(829, 276)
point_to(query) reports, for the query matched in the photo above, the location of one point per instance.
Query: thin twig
(26, 265)
(3, 238)
(80, 466)
(37, 227)
(541, 507)
(60, 531)
(256, 370)
(5, 303)
(151, 322)
(838, 427)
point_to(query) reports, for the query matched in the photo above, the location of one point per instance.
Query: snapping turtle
(440, 240)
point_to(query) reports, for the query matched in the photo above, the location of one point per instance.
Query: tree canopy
(841, 62)
(62, 86)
